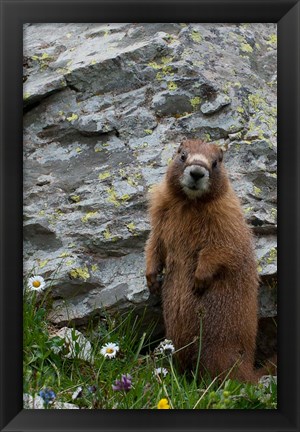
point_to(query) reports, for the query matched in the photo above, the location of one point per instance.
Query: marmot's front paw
(201, 285)
(153, 282)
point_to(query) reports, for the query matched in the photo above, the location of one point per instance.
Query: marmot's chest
(183, 234)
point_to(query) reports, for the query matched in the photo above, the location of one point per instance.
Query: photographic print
(150, 216)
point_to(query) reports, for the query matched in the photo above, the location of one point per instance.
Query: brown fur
(205, 248)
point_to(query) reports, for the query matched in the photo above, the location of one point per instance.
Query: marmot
(200, 240)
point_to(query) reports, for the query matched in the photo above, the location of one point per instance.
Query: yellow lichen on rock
(79, 273)
(88, 216)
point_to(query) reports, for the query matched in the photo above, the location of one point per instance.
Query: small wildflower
(36, 283)
(160, 371)
(163, 404)
(77, 393)
(166, 347)
(109, 350)
(47, 395)
(124, 384)
(92, 389)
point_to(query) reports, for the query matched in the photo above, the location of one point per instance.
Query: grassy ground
(47, 369)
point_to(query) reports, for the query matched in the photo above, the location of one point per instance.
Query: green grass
(43, 368)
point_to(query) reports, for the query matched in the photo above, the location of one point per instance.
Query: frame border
(286, 13)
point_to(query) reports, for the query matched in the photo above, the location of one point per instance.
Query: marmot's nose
(197, 172)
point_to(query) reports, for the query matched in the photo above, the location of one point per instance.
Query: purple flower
(48, 395)
(124, 384)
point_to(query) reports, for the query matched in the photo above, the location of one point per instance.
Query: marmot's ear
(181, 144)
(222, 149)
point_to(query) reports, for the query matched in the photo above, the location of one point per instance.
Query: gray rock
(33, 402)
(216, 105)
(75, 345)
(63, 405)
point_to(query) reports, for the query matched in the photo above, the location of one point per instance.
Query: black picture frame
(286, 13)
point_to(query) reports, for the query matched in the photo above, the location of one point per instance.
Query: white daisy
(36, 283)
(166, 347)
(109, 350)
(160, 371)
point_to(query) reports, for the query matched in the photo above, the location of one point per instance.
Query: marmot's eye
(183, 156)
(214, 164)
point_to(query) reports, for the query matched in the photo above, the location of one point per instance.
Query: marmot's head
(197, 170)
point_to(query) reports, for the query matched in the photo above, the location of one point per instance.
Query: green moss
(196, 36)
(272, 40)
(105, 175)
(257, 191)
(64, 255)
(274, 213)
(131, 182)
(26, 96)
(172, 86)
(80, 273)
(148, 131)
(112, 197)
(94, 267)
(166, 60)
(246, 48)
(256, 101)
(107, 234)
(75, 198)
(98, 148)
(43, 60)
(131, 227)
(125, 197)
(195, 102)
(88, 216)
(273, 253)
(240, 110)
(248, 210)
(42, 264)
(154, 65)
(226, 88)
(163, 65)
(78, 150)
(72, 118)
(159, 76)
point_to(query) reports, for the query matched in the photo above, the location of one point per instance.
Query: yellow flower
(163, 404)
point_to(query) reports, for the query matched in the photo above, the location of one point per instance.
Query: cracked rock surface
(105, 106)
